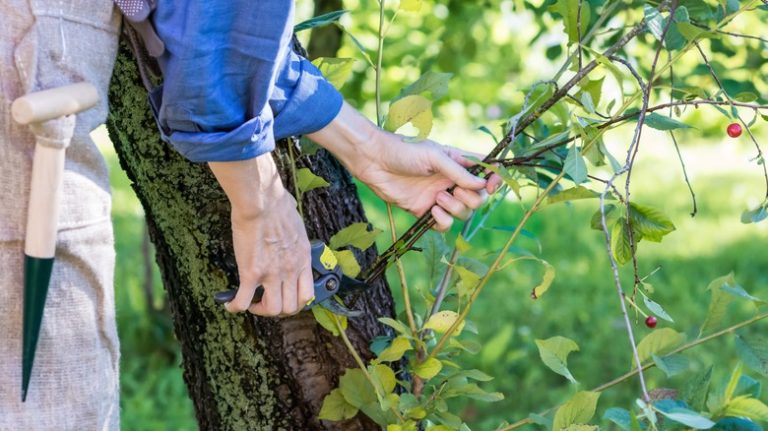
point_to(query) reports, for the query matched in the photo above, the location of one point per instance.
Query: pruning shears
(329, 281)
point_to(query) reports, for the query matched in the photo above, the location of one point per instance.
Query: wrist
(252, 186)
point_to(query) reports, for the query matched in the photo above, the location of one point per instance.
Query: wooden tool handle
(44, 198)
(54, 103)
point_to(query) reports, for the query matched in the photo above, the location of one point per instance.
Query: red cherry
(734, 130)
(650, 322)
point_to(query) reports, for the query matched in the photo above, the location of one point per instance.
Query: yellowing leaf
(411, 5)
(383, 377)
(428, 369)
(442, 321)
(578, 410)
(747, 407)
(410, 109)
(326, 319)
(306, 180)
(546, 281)
(423, 122)
(356, 235)
(462, 244)
(554, 353)
(348, 262)
(395, 350)
(336, 70)
(336, 408)
(581, 427)
(658, 342)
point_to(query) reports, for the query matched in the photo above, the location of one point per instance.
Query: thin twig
(695, 208)
(631, 374)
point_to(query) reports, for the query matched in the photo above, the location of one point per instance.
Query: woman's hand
(413, 176)
(270, 242)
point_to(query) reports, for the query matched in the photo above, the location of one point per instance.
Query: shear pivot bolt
(330, 285)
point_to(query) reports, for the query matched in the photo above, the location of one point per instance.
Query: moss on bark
(242, 372)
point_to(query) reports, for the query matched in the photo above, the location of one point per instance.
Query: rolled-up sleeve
(232, 84)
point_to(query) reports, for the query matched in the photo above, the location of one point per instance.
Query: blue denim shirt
(232, 83)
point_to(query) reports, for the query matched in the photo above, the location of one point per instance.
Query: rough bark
(325, 41)
(242, 372)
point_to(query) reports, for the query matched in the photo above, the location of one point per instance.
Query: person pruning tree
(232, 86)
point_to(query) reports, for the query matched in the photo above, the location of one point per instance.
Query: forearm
(351, 137)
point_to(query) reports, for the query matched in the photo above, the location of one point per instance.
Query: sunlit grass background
(495, 56)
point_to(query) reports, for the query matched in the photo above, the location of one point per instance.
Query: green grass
(582, 303)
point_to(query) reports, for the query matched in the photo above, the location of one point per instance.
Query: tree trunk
(242, 372)
(326, 40)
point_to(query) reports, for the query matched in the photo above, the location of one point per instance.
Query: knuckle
(272, 310)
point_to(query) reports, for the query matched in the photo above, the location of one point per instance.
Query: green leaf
(658, 342)
(546, 281)
(651, 223)
(348, 262)
(396, 325)
(569, 10)
(326, 319)
(356, 388)
(747, 407)
(554, 353)
(579, 409)
(497, 345)
(319, 20)
(357, 235)
(572, 194)
(612, 215)
(413, 109)
(306, 180)
(442, 321)
(620, 417)
(736, 424)
(755, 215)
(718, 305)
(336, 408)
(753, 351)
(336, 70)
(428, 369)
(654, 21)
(620, 245)
(697, 388)
(396, 350)
(671, 365)
(688, 418)
(434, 83)
(739, 292)
(656, 309)
(575, 166)
(746, 97)
(692, 32)
(662, 122)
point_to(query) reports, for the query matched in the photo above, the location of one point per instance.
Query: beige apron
(74, 384)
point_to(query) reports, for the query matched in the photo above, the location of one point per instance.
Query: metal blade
(350, 285)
